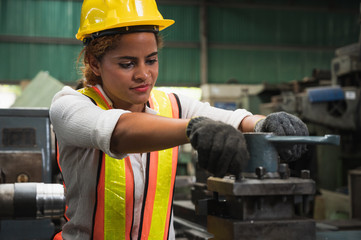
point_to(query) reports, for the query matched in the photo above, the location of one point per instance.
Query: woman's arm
(248, 123)
(143, 132)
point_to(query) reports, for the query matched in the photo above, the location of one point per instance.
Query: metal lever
(326, 140)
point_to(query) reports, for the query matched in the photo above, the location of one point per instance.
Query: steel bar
(31, 201)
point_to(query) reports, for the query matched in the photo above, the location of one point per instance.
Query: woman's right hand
(221, 148)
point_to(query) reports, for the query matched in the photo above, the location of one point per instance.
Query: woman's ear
(94, 65)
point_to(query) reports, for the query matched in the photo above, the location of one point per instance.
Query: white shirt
(82, 129)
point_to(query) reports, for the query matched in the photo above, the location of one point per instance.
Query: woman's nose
(142, 72)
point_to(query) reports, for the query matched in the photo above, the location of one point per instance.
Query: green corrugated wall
(38, 18)
(180, 66)
(276, 45)
(251, 41)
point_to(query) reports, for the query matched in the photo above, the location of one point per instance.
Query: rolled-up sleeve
(78, 122)
(193, 108)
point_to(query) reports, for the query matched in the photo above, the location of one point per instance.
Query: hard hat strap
(122, 30)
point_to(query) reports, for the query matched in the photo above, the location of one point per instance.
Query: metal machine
(32, 200)
(264, 202)
(337, 105)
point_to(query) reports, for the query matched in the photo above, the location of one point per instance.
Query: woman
(118, 137)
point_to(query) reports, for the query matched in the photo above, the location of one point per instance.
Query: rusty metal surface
(261, 187)
(18, 166)
(27, 131)
(295, 229)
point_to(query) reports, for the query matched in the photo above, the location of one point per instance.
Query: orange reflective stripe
(101, 95)
(58, 236)
(58, 155)
(175, 108)
(149, 203)
(98, 229)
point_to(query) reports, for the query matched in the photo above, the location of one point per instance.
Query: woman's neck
(132, 108)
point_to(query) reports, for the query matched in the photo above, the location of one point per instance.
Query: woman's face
(130, 71)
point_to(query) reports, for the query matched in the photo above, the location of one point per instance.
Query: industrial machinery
(32, 200)
(338, 105)
(263, 202)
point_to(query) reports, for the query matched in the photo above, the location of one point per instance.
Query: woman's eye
(152, 61)
(126, 65)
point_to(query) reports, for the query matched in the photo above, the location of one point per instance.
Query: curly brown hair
(98, 48)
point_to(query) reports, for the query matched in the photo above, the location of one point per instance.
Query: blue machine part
(325, 94)
(226, 105)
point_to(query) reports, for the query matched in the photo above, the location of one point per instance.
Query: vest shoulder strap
(95, 94)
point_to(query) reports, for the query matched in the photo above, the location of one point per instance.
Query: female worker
(118, 137)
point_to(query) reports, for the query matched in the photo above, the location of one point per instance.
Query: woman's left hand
(285, 124)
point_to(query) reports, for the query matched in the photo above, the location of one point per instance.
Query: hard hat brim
(163, 23)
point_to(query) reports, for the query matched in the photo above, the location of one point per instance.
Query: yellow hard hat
(100, 15)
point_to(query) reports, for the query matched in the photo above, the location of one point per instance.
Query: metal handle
(326, 140)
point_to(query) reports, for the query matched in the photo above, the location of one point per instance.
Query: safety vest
(115, 190)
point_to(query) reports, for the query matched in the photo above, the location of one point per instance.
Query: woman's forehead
(135, 43)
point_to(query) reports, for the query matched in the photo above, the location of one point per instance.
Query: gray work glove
(285, 124)
(221, 148)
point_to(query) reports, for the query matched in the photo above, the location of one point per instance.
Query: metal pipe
(31, 200)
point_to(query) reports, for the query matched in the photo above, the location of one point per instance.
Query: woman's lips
(141, 88)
